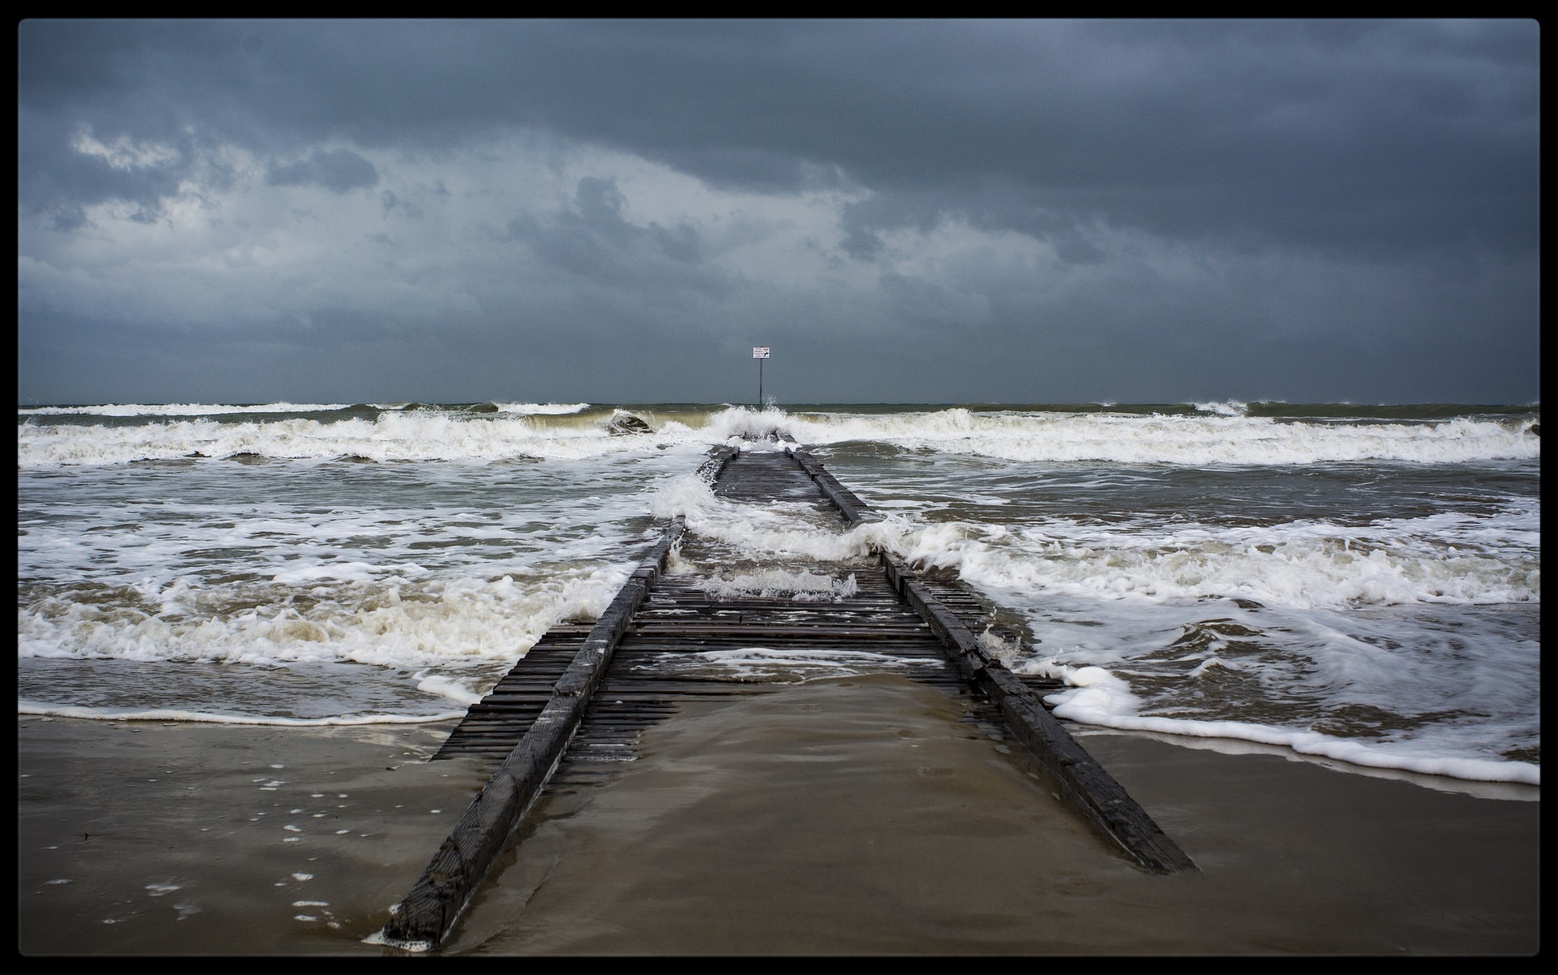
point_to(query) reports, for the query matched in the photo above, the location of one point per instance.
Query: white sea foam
(1442, 558)
(1229, 408)
(1309, 564)
(770, 665)
(779, 529)
(1108, 703)
(1198, 440)
(542, 409)
(801, 586)
(390, 437)
(177, 409)
(394, 623)
(1099, 697)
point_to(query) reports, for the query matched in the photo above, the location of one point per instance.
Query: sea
(1359, 585)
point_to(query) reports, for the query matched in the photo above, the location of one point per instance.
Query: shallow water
(867, 816)
(853, 815)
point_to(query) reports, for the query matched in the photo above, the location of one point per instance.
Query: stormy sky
(904, 211)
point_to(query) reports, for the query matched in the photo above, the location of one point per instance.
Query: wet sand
(855, 816)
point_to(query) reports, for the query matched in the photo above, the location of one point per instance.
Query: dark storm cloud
(1370, 135)
(1068, 201)
(1363, 135)
(337, 170)
(593, 241)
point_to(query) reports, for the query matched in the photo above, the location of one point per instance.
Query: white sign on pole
(759, 351)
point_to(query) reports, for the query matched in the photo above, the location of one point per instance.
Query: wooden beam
(426, 915)
(854, 510)
(1083, 782)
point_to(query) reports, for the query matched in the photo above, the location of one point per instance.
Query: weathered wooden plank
(1084, 782)
(428, 912)
(854, 510)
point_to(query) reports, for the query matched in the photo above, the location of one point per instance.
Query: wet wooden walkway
(575, 705)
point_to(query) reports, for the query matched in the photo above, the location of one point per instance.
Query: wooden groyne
(584, 693)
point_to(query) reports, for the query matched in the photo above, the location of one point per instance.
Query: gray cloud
(593, 241)
(337, 170)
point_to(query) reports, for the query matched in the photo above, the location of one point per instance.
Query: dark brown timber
(427, 914)
(578, 700)
(1086, 785)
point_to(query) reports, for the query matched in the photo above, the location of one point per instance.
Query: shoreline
(852, 816)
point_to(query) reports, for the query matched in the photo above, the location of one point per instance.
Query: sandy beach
(852, 816)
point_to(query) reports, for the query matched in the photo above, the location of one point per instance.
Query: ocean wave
(1444, 559)
(545, 409)
(1201, 440)
(1084, 707)
(1230, 408)
(1203, 436)
(398, 621)
(178, 409)
(388, 436)
(1096, 696)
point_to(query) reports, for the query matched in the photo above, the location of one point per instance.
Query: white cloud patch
(124, 153)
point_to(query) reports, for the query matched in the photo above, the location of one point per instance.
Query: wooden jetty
(578, 700)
